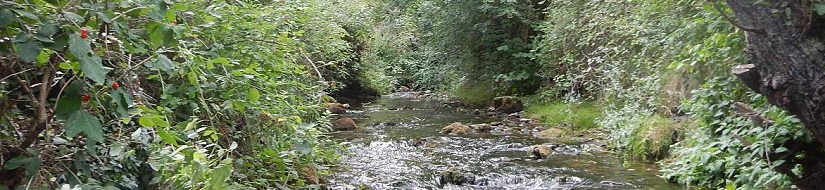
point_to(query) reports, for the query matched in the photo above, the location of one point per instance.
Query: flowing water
(382, 155)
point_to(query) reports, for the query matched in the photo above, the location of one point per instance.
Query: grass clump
(652, 140)
(576, 116)
(477, 94)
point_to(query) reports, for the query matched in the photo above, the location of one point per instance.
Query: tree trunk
(785, 46)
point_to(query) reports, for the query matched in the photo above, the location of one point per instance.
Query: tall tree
(787, 55)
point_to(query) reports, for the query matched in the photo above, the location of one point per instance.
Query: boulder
(507, 104)
(456, 129)
(540, 151)
(336, 108)
(403, 89)
(344, 124)
(455, 177)
(482, 127)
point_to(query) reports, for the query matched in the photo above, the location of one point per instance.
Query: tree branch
(734, 23)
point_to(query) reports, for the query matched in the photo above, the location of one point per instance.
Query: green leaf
(105, 17)
(218, 177)
(164, 64)
(146, 121)
(28, 51)
(70, 102)
(59, 42)
(26, 14)
(48, 29)
(820, 8)
(44, 56)
(168, 138)
(240, 106)
(92, 68)
(90, 65)
(6, 17)
(160, 122)
(157, 34)
(781, 150)
(123, 103)
(16, 162)
(253, 94)
(82, 121)
(65, 66)
(79, 47)
(302, 146)
(32, 164)
(222, 61)
(73, 17)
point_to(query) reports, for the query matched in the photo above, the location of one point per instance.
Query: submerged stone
(456, 129)
(344, 124)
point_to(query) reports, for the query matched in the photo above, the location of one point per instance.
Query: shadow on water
(400, 147)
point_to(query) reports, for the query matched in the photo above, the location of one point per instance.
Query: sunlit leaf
(253, 95)
(146, 121)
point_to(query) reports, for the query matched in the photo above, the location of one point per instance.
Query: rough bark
(785, 46)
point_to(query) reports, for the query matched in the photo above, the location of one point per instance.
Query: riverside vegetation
(195, 94)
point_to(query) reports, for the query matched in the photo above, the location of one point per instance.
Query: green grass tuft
(580, 116)
(652, 141)
(476, 94)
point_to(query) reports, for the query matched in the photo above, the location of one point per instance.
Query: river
(387, 152)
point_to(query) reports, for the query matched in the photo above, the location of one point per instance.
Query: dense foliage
(171, 95)
(195, 94)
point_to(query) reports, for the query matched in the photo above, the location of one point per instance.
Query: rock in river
(456, 129)
(344, 124)
(482, 127)
(336, 108)
(455, 177)
(507, 104)
(540, 151)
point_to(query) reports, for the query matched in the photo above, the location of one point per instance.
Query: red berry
(115, 85)
(84, 33)
(174, 22)
(85, 97)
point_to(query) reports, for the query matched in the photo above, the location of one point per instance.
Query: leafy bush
(727, 149)
(153, 94)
